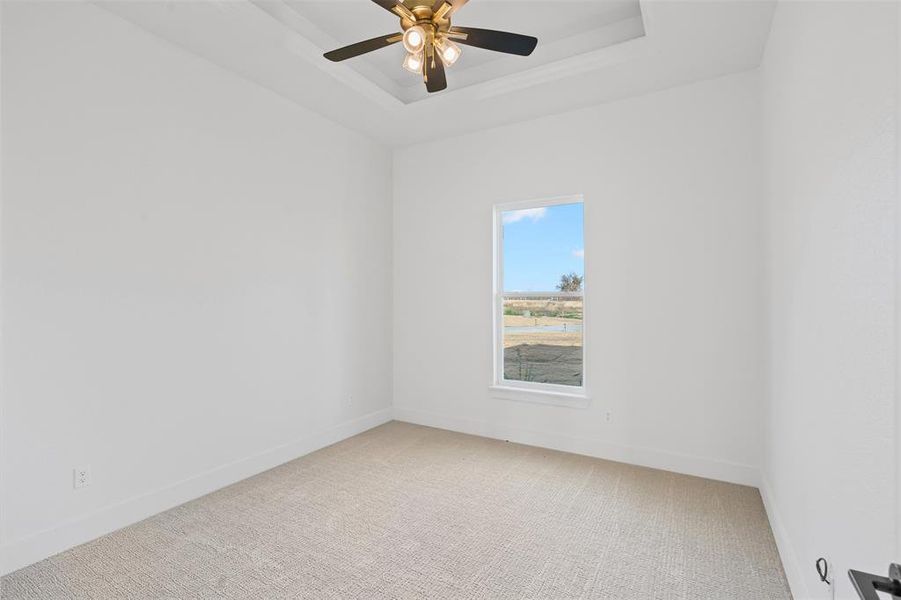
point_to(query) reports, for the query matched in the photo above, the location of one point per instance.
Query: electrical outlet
(608, 416)
(81, 477)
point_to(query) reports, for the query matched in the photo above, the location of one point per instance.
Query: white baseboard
(645, 457)
(786, 551)
(25, 551)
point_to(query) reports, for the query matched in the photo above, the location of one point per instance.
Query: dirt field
(513, 337)
(543, 363)
(543, 341)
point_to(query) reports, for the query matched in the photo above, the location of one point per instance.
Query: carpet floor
(404, 511)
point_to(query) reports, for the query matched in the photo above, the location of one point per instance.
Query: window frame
(544, 393)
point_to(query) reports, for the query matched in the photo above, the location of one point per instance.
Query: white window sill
(554, 398)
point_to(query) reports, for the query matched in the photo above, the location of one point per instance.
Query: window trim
(529, 391)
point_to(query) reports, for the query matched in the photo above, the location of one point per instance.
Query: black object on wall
(868, 585)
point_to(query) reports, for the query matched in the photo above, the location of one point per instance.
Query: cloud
(534, 214)
(579, 253)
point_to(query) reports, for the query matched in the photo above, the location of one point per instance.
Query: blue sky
(540, 245)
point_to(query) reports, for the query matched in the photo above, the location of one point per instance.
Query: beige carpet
(404, 511)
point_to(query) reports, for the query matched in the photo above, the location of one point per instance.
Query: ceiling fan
(429, 39)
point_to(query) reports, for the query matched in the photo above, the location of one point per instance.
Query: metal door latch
(868, 585)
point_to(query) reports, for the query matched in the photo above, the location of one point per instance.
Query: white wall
(673, 253)
(830, 84)
(897, 288)
(196, 277)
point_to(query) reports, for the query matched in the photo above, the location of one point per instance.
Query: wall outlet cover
(81, 477)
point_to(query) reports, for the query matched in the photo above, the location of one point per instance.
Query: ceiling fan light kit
(428, 38)
(413, 62)
(414, 39)
(450, 51)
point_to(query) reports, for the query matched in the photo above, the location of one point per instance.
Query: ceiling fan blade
(386, 4)
(435, 79)
(363, 47)
(396, 7)
(453, 6)
(499, 41)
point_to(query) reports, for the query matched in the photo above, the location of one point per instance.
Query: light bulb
(414, 39)
(450, 52)
(413, 62)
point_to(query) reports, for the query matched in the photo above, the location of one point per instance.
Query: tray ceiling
(589, 51)
(565, 29)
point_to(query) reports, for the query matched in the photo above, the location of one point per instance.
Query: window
(539, 338)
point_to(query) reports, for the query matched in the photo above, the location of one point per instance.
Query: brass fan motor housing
(425, 17)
